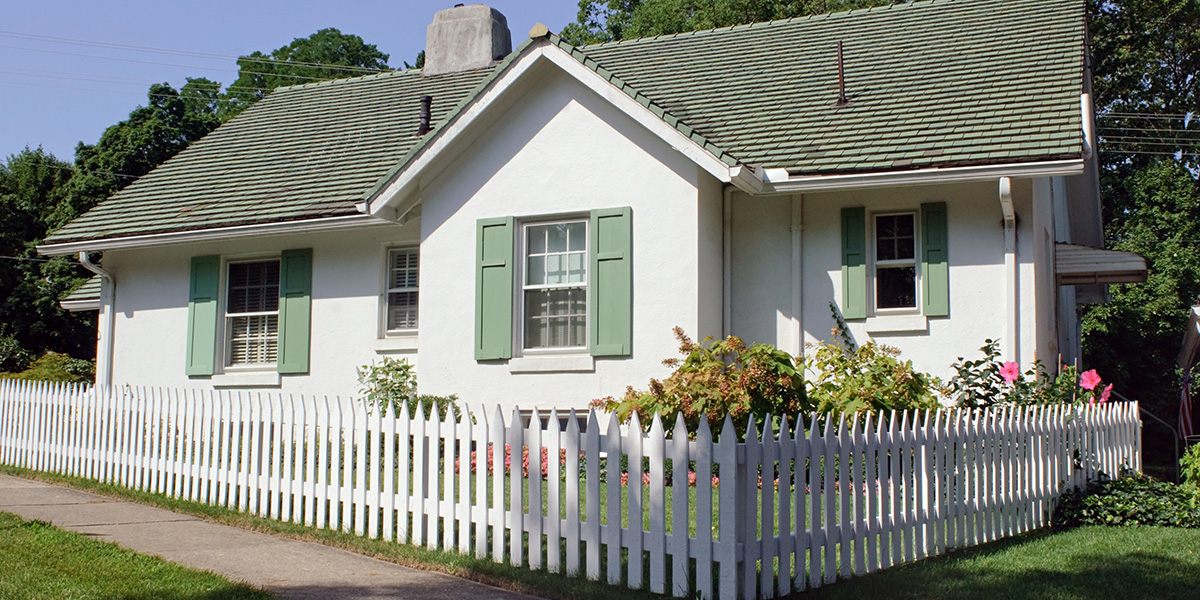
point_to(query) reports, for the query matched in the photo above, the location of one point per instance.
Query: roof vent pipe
(842, 99)
(424, 116)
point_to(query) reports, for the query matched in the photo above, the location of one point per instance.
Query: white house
(528, 226)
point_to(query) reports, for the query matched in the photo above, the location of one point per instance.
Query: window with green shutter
(202, 315)
(893, 262)
(559, 285)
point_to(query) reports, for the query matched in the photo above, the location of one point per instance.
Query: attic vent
(465, 38)
(424, 116)
(842, 99)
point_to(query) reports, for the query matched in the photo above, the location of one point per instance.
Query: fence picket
(553, 527)
(533, 523)
(704, 548)
(677, 451)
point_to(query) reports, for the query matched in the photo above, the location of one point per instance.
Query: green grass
(38, 561)
(1098, 563)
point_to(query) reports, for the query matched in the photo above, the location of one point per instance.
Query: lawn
(1088, 562)
(39, 561)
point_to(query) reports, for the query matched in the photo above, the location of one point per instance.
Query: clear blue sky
(54, 94)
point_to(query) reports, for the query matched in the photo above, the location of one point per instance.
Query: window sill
(247, 379)
(898, 324)
(552, 364)
(403, 342)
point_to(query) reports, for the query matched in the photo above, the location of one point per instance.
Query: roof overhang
(80, 305)
(781, 182)
(400, 194)
(1081, 265)
(208, 235)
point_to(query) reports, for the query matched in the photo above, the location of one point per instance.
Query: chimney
(465, 38)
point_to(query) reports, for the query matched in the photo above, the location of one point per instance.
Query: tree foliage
(611, 20)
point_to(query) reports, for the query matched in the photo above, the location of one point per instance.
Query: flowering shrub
(842, 378)
(988, 382)
(714, 379)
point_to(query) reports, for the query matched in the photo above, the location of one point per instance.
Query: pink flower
(1089, 380)
(624, 478)
(716, 482)
(1105, 394)
(645, 479)
(1010, 371)
(691, 479)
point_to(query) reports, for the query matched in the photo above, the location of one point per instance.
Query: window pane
(535, 270)
(556, 237)
(253, 287)
(537, 240)
(555, 269)
(905, 248)
(404, 268)
(402, 310)
(577, 232)
(253, 340)
(896, 287)
(576, 272)
(555, 318)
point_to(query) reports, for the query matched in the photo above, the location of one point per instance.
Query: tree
(32, 185)
(611, 20)
(326, 54)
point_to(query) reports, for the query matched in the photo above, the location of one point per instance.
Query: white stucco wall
(762, 288)
(347, 283)
(555, 148)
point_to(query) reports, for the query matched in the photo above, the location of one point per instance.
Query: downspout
(1089, 124)
(107, 320)
(727, 261)
(1010, 269)
(797, 230)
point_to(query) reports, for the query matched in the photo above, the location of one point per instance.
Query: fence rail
(793, 506)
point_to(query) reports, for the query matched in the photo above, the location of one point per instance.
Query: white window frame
(388, 290)
(226, 329)
(522, 259)
(877, 264)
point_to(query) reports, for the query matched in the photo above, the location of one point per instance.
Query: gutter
(1010, 270)
(779, 181)
(107, 320)
(207, 235)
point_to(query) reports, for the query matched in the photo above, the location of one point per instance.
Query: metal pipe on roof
(425, 115)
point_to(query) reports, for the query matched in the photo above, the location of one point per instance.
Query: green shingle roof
(88, 291)
(933, 83)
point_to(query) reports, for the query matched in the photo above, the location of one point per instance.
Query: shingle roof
(932, 83)
(88, 291)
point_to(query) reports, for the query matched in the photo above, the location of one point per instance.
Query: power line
(116, 80)
(84, 89)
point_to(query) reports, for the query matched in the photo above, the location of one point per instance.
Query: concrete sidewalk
(290, 568)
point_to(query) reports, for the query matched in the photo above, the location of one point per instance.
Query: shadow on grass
(1085, 563)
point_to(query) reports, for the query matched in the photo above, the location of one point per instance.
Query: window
(252, 313)
(554, 290)
(402, 281)
(895, 261)
(889, 259)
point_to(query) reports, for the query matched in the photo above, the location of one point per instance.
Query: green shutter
(295, 310)
(494, 288)
(611, 280)
(202, 315)
(854, 263)
(935, 271)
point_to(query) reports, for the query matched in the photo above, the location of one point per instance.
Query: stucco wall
(348, 278)
(555, 148)
(762, 287)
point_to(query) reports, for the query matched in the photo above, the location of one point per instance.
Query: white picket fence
(786, 510)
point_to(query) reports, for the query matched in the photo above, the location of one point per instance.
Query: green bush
(842, 378)
(1189, 467)
(714, 379)
(56, 367)
(393, 384)
(1134, 500)
(13, 358)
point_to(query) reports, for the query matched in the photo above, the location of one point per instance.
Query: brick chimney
(465, 38)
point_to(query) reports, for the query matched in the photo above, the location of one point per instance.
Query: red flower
(1089, 380)
(1010, 371)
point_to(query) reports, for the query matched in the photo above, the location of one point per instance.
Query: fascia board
(822, 183)
(208, 235)
(398, 195)
(80, 305)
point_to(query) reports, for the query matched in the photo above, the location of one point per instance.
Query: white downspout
(727, 261)
(797, 230)
(107, 321)
(1089, 124)
(1011, 341)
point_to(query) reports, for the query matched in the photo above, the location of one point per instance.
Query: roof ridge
(344, 80)
(896, 5)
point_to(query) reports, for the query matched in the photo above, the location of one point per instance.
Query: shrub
(13, 358)
(1189, 467)
(990, 382)
(714, 379)
(56, 367)
(1135, 500)
(842, 378)
(393, 383)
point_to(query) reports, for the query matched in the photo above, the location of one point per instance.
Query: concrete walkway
(290, 568)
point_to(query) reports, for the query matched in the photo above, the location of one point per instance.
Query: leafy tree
(610, 20)
(326, 54)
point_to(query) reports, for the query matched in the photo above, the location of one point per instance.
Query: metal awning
(1081, 265)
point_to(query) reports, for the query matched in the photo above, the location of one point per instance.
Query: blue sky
(55, 93)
